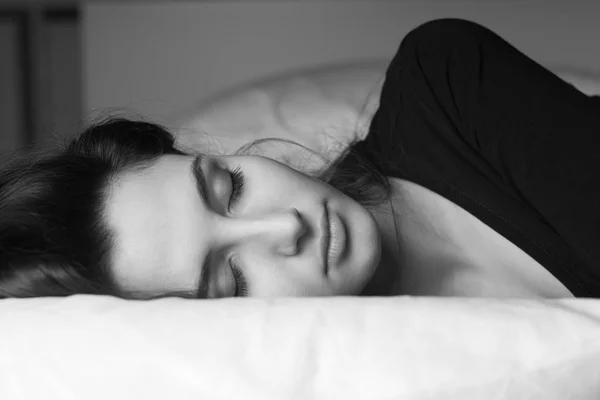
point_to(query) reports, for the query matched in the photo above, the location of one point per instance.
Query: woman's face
(182, 224)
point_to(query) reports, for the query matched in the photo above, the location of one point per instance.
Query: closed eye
(237, 184)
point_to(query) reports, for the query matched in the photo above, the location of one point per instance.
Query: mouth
(325, 237)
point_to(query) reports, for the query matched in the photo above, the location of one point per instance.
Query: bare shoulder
(446, 251)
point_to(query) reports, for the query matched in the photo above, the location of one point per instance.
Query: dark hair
(53, 237)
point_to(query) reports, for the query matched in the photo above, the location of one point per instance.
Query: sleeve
(537, 132)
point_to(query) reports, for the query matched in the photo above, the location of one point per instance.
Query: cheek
(280, 186)
(280, 274)
(294, 288)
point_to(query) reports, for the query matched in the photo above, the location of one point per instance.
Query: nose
(281, 231)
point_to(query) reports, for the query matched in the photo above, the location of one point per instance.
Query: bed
(84, 347)
(372, 348)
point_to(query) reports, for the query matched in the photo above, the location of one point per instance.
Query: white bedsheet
(86, 347)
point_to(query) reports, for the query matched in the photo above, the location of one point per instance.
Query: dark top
(465, 114)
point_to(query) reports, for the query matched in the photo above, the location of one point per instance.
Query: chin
(368, 257)
(371, 245)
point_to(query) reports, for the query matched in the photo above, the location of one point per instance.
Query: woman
(478, 178)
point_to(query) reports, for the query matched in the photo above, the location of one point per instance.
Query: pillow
(322, 108)
(371, 348)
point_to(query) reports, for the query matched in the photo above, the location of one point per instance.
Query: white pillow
(375, 348)
(323, 109)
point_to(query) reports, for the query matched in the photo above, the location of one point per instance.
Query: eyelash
(237, 180)
(241, 287)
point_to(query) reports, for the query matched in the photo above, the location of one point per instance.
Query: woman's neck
(415, 247)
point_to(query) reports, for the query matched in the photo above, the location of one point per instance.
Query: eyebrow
(200, 179)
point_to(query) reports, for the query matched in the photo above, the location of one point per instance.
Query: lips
(325, 237)
(337, 242)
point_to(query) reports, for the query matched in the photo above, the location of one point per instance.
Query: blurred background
(63, 62)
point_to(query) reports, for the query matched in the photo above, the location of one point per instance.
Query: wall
(40, 65)
(11, 125)
(157, 58)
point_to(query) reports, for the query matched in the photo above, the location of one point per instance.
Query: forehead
(150, 192)
(147, 211)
